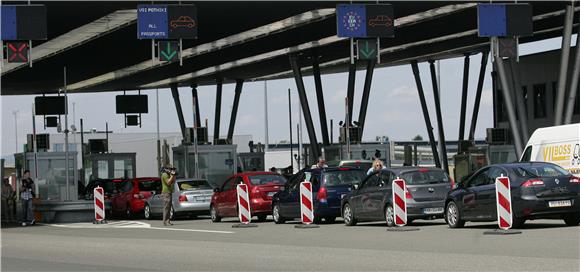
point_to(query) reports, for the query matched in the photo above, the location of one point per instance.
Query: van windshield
(425, 177)
(527, 156)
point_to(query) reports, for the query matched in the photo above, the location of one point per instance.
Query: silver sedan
(190, 197)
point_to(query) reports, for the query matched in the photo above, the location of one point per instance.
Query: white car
(190, 197)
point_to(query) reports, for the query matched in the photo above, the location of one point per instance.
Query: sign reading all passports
(365, 21)
(166, 22)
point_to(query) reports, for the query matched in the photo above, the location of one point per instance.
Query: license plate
(432, 210)
(202, 199)
(271, 193)
(560, 203)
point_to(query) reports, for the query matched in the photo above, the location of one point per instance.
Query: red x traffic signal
(17, 51)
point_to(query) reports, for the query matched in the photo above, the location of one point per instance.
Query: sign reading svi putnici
(166, 22)
(365, 21)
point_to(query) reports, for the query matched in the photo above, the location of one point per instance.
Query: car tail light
(321, 196)
(533, 182)
(182, 198)
(408, 194)
(574, 180)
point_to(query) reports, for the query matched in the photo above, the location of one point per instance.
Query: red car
(130, 195)
(261, 187)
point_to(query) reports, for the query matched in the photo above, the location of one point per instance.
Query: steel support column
(562, 80)
(320, 99)
(178, 109)
(304, 105)
(464, 98)
(218, 109)
(442, 145)
(484, 58)
(415, 68)
(521, 110)
(365, 98)
(238, 92)
(507, 100)
(574, 82)
(350, 89)
(197, 115)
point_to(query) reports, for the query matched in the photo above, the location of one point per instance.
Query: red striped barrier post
(503, 195)
(244, 211)
(99, 200)
(399, 206)
(306, 206)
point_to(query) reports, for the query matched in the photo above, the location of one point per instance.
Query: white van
(558, 144)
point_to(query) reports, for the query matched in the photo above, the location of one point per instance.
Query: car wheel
(147, 212)
(262, 217)
(453, 216)
(128, 212)
(389, 216)
(278, 219)
(518, 223)
(317, 220)
(348, 215)
(330, 219)
(572, 219)
(214, 214)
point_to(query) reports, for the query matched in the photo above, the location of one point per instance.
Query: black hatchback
(539, 190)
(372, 200)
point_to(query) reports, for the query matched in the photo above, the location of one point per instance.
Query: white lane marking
(129, 225)
(194, 230)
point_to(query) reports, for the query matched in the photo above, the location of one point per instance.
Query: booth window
(539, 100)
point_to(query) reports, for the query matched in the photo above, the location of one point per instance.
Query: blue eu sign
(152, 22)
(351, 21)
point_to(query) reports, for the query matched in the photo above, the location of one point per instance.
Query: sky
(394, 109)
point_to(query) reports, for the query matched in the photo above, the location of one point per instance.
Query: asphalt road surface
(200, 245)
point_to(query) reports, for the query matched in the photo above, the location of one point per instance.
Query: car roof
(189, 179)
(332, 169)
(146, 178)
(256, 173)
(518, 164)
(405, 169)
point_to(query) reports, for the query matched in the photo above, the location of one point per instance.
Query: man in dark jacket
(26, 196)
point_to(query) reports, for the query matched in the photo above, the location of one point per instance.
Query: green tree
(418, 138)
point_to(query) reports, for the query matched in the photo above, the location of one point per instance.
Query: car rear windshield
(192, 185)
(343, 177)
(149, 185)
(540, 171)
(360, 165)
(420, 177)
(266, 179)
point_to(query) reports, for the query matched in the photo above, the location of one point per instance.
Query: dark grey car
(371, 201)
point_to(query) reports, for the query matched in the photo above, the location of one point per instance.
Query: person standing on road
(377, 166)
(167, 180)
(26, 196)
(8, 195)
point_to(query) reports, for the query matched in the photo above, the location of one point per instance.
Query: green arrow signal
(367, 52)
(168, 53)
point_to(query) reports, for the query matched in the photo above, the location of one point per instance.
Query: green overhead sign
(367, 49)
(168, 51)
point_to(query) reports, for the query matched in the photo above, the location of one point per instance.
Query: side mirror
(216, 190)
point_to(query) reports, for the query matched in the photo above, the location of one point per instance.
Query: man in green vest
(167, 180)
